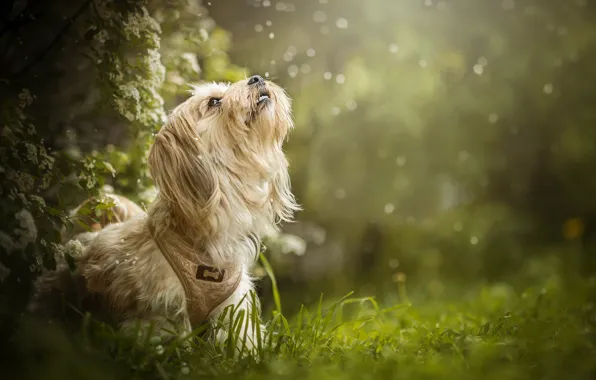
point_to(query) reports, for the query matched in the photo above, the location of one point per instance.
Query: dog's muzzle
(259, 82)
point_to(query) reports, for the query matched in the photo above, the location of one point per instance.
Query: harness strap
(206, 287)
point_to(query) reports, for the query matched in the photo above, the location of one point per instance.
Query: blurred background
(440, 142)
(449, 141)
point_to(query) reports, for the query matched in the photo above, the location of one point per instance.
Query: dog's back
(56, 292)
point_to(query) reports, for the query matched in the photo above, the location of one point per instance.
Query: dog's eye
(214, 102)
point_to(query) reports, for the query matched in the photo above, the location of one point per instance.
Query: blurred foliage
(450, 140)
(80, 104)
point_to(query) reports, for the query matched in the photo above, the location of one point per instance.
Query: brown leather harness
(206, 287)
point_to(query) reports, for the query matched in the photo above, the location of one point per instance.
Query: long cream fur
(223, 182)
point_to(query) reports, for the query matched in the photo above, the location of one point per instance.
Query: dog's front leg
(246, 306)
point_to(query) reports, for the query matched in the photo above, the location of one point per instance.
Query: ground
(486, 331)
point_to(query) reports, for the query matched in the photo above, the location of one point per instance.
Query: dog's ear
(181, 169)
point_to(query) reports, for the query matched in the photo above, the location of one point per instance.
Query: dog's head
(219, 157)
(252, 111)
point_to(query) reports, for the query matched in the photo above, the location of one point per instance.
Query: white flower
(57, 250)
(101, 37)
(31, 152)
(25, 98)
(149, 194)
(293, 244)
(191, 60)
(73, 248)
(27, 233)
(6, 242)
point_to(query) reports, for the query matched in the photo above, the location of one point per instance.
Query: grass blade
(271, 275)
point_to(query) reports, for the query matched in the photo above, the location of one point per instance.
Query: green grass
(490, 332)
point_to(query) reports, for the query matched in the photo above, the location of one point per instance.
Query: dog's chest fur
(136, 275)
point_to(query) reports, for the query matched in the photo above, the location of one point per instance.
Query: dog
(223, 182)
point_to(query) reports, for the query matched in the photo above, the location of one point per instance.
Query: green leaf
(84, 225)
(54, 211)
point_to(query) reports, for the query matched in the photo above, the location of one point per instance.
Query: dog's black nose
(256, 79)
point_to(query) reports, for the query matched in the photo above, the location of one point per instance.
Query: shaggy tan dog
(223, 182)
